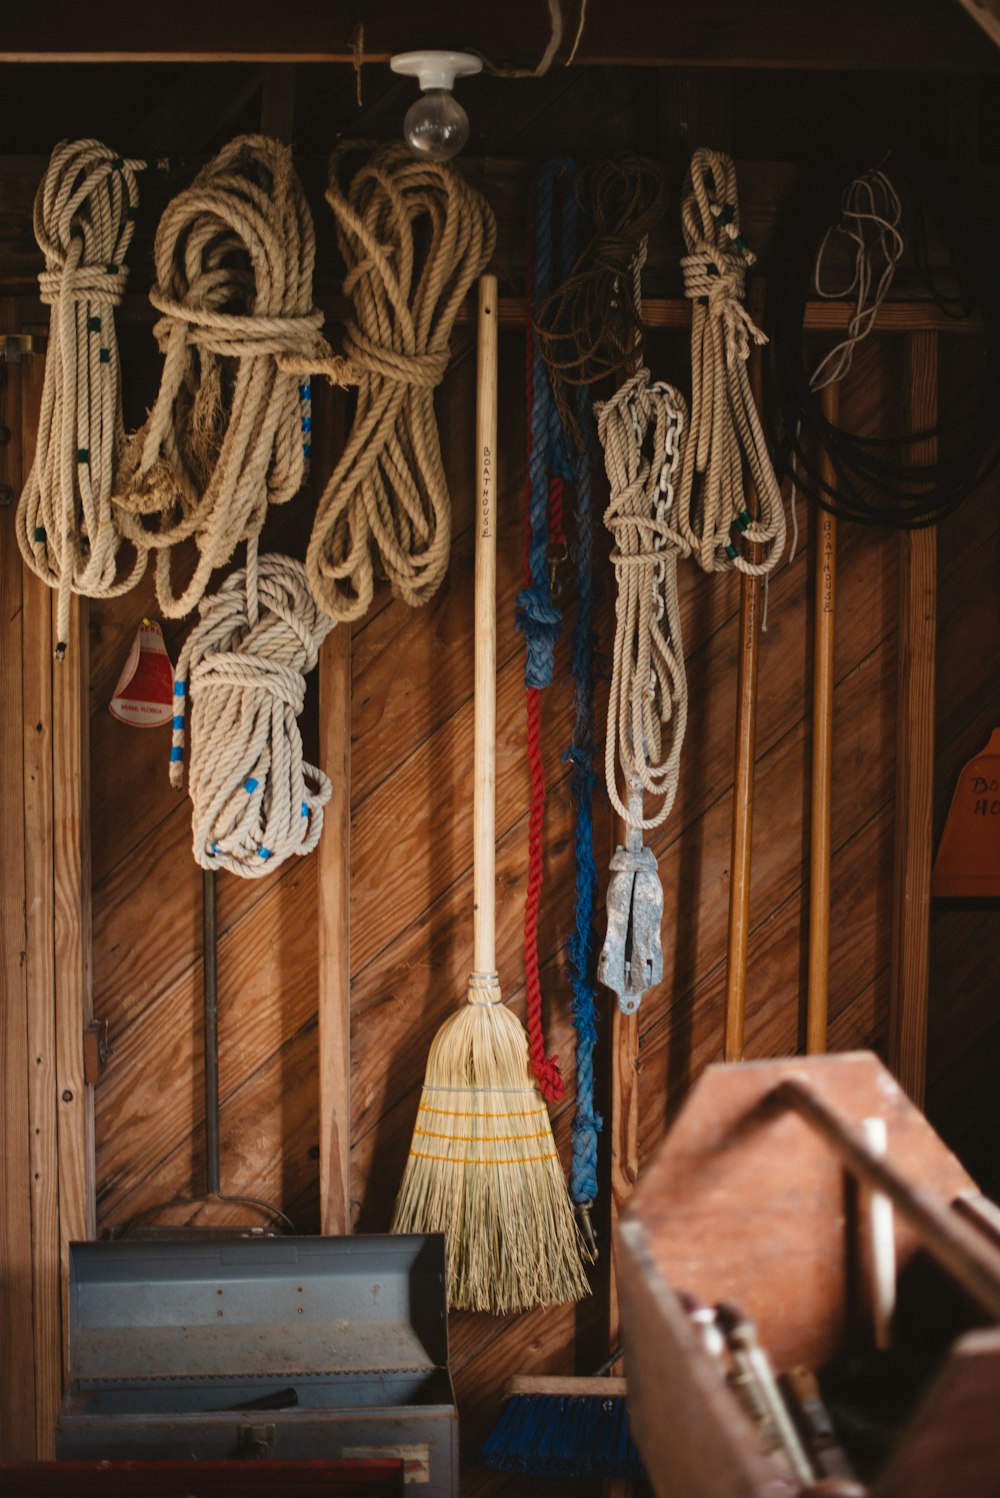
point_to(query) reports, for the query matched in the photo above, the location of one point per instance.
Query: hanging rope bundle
(589, 327)
(725, 425)
(641, 430)
(580, 949)
(256, 801)
(538, 616)
(85, 212)
(414, 236)
(876, 479)
(234, 262)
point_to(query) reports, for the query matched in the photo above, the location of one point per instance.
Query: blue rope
(537, 616)
(581, 946)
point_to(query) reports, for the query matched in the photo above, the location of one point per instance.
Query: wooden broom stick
(485, 708)
(908, 998)
(822, 755)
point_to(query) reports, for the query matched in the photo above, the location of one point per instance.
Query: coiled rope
(725, 426)
(586, 1120)
(234, 260)
(641, 430)
(587, 329)
(871, 218)
(84, 218)
(256, 801)
(414, 236)
(877, 481)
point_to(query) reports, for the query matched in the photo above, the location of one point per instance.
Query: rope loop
(414, 236)
(234, 257)
(84, 219)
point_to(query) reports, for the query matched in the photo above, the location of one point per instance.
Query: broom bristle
(563, 1435)
(483, 1170)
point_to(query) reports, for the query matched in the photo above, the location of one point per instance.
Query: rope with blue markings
(239, 689)
(85, 214)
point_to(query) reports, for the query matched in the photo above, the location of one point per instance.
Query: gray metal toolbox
(272, 1347)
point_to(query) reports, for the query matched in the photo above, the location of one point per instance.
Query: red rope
(545, 1069)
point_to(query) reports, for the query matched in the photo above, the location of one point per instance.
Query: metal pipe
(210, 968)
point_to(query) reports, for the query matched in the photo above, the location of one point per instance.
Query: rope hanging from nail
(414, 236)
(642, 430)
(256, 801)
(538, 616)
(589, 327)
(228, 434)
(725, 428)
(580, 754)
(879, 215)
(69, 535)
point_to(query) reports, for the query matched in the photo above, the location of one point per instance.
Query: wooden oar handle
(972, 1261)
(484, 795)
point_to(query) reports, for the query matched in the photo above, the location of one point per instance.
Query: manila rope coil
(67, 529)
(725, 425)
(230, 432)
(388, 495)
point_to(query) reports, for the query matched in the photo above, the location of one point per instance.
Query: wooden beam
(72, 886)
(900, 35)
(820, 820)
(673, 313)
(17, 1403)
(40, 964)
(915, 754)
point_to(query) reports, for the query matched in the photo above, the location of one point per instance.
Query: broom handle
(484, 793)
(817, 1008)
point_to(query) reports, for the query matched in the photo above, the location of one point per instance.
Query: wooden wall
(410, 734)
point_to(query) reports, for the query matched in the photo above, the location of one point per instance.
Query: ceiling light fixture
(436, 127)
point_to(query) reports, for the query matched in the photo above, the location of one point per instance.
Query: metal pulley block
(631, 959)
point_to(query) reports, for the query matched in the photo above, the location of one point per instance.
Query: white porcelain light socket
(436, 69)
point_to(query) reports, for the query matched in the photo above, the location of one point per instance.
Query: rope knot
(101, 285)
(422, 371)
(537, 618)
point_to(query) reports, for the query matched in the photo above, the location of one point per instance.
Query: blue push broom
(564, 1427)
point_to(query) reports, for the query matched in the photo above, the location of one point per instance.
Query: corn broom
(483, 1167)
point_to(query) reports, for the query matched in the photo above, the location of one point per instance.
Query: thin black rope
(876, 479)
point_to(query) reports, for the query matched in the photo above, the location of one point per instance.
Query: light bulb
(436, 126)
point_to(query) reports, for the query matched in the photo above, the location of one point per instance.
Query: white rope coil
(641, 429)
(725, 425)
(255, 800)
(229, 432)
(84, 219)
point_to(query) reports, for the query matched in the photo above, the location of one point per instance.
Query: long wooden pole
(484, 789)
(747, 655)
(822, 758)
(908, 999)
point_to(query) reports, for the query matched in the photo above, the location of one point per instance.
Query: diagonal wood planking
(411, 884)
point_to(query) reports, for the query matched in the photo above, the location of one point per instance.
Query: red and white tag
(144, 695)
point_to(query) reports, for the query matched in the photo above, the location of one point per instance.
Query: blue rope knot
(537, 619)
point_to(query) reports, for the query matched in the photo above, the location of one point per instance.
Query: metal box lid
(214, 1308)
